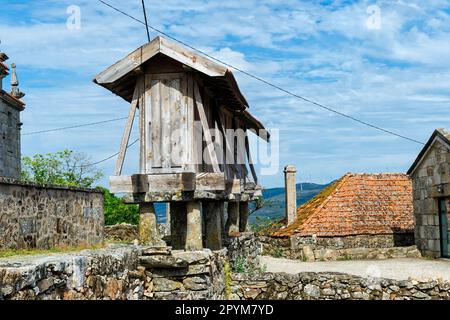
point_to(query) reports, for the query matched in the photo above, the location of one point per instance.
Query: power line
(267, 82)
(74, 126)
(146, 22)
(106, 159)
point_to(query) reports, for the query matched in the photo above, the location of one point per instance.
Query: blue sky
(396, 76)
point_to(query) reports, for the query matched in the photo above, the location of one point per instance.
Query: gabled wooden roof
(120, 78)
(113, 77)
(439, 134)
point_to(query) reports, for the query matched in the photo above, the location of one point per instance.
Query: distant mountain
(274, 200)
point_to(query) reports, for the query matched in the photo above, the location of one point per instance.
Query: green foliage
(266, 225)
(117, 212)
(277, 252)
(5, 253)
(241, 265)
(227, 274)
(64, 168)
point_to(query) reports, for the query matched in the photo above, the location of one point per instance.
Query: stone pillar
(194, 226)
(291, 194)
(232, 225)
(148, 228)
(178, 225)
(212, 214)
(167, 228)
(243, 216)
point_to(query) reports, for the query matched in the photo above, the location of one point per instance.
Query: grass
(5, 253)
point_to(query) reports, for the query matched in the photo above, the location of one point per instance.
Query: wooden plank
(190, 142)
(148, 123)
(142, 124)
(204, 121)
(120, 184)
(192, 59)
(184, 181)
(210, 181)
(233, 186)
(250, 160)
(127, 132)
(141, 183)
(165, 123)
(129, 63)
(220, 122)
(156, 123)
(176, 114)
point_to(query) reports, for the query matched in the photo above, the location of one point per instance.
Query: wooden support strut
(206, 132)
(250, 160)
(127, 132)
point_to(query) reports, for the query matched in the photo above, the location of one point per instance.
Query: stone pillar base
(194, 226)
(148, 228)
(212, 214)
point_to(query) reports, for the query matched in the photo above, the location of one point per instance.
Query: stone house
(10, 108)
(430, 174)
(358, 210)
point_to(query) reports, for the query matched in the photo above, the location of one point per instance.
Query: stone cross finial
(15, 91)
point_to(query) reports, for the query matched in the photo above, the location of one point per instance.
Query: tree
(66, 168)
(118, 212)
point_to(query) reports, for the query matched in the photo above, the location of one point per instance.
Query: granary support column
(194, 226)
(212, 214)
(243, 216)
(178, 225)
(232, 225)
(148, 228)
(291, 194)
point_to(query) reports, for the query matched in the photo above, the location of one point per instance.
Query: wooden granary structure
(192, 117)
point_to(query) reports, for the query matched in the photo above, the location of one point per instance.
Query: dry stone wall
(335, 286)
(37, 216)
(122, 272)
(339, 248)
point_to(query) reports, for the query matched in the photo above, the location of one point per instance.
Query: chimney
(15, 91)
(3, 68)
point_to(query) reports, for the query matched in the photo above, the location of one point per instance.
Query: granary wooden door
(166, 116)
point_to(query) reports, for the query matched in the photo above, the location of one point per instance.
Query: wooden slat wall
(168, 122)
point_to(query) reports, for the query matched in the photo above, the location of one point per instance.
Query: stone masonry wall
(35, 216)
(9, 141)
(119, 272)
(340, 248)
(336, 286)
(432, 172)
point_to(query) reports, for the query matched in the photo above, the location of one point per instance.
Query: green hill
(274, 202)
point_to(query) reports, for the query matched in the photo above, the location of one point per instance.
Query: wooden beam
(187, 181)
(142, 125)
(127, 132)
(210, 182)
(250, 160)
(229, 170)
(206, 132)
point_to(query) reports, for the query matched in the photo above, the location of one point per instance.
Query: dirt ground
(398, 269)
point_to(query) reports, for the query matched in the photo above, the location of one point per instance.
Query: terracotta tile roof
(357, 204)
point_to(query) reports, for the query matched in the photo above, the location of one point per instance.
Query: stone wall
(10, 156)
(122, 272)
(432, 172)
(335, 286)
(36, 216)
(340, 248)
(123, 232)
(244, 249)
